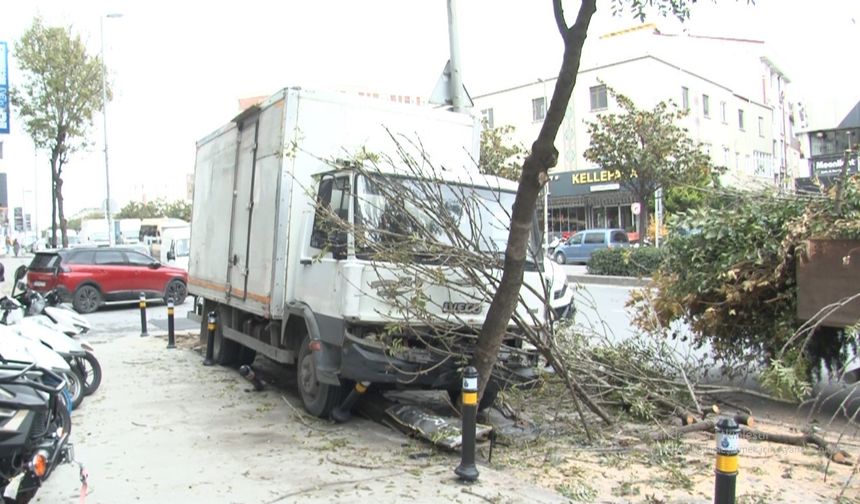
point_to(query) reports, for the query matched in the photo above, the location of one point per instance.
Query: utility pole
(456, 80)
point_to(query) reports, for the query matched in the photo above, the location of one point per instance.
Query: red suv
(90, 277)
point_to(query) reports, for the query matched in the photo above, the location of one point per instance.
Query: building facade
(829, 150)
(737, 103)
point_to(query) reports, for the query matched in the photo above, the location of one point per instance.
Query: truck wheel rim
(309, 383)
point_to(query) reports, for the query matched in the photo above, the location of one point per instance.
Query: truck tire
(224, 351)
(245, 356)
(318, 398)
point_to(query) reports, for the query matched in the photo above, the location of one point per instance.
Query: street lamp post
(104, 125)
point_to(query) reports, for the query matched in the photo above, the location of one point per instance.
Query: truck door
(243, 207)
(327, 245)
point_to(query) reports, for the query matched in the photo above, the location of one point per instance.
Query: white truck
(257, 260)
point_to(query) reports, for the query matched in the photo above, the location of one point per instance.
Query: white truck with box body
(257, 260)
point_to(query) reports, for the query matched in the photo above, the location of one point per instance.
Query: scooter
(62, 314)
(34, 425)
(69, 349)
(60, 318)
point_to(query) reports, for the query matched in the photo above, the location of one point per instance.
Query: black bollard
(171, 337)
(467, 470)
(143, 315)
(728, 441)
(248, 373)
(343, 412)
(210, 340)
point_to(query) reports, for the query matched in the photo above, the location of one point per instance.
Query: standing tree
(542, 157)
(60, 90)
(179, 209)
(498, 156)
(648, 149)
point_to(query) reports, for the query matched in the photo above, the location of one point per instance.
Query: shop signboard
(831, 166)
(4, 88)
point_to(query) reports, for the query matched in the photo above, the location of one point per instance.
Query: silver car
(579, 247)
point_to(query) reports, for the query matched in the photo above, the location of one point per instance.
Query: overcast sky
(178, 68)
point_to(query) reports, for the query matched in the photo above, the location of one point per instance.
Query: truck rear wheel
(224, 351)
(319, 398)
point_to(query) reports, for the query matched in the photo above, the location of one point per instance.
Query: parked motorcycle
(50, 312)
(34, 426)
(49, 305)
(69, 349)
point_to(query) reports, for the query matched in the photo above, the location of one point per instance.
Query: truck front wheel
(319, 398)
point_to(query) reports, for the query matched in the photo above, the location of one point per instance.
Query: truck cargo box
(253, 181)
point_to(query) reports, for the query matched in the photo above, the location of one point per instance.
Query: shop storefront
(586, 199)
(829, 151)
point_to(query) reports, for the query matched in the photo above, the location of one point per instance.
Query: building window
(685, 98)
(763, 166)
(487, 117)
(723, 116)
(761, 126)
(706, 106)
(538, 109)
(598, 98)
(741, 119)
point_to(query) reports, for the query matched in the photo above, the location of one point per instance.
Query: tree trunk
(643, 219)
(60, 214)
(54, 158)
(543, 156)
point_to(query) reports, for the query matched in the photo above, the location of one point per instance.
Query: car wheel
(87, 299)
(177, 290)
(559, 257)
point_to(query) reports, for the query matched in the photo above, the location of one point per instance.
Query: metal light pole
(546, 218)
(104, 124)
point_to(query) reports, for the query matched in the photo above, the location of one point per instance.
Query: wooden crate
(829, 273)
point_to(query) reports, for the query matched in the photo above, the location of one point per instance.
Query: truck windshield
(397, 209)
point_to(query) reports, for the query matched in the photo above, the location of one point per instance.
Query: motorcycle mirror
(20, 272)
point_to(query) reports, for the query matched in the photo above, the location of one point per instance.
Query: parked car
(579, 247)
(90, 277)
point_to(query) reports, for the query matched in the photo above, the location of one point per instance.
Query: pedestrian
(16, 246)
(8, 245)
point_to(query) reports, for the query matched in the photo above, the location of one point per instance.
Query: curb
(609, 280)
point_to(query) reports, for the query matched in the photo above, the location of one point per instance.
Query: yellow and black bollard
(343, 412)
(210, 340)
(467, 470)
(728, 444)
(143, 315)
(171, 337)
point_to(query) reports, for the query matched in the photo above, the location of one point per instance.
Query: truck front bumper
(364, 361)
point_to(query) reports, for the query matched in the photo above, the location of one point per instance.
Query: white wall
(663, 83)
(648, 69)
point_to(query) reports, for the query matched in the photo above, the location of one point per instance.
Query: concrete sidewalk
(165, 429)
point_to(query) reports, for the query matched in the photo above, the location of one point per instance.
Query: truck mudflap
(325, 359)
(363, 361)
